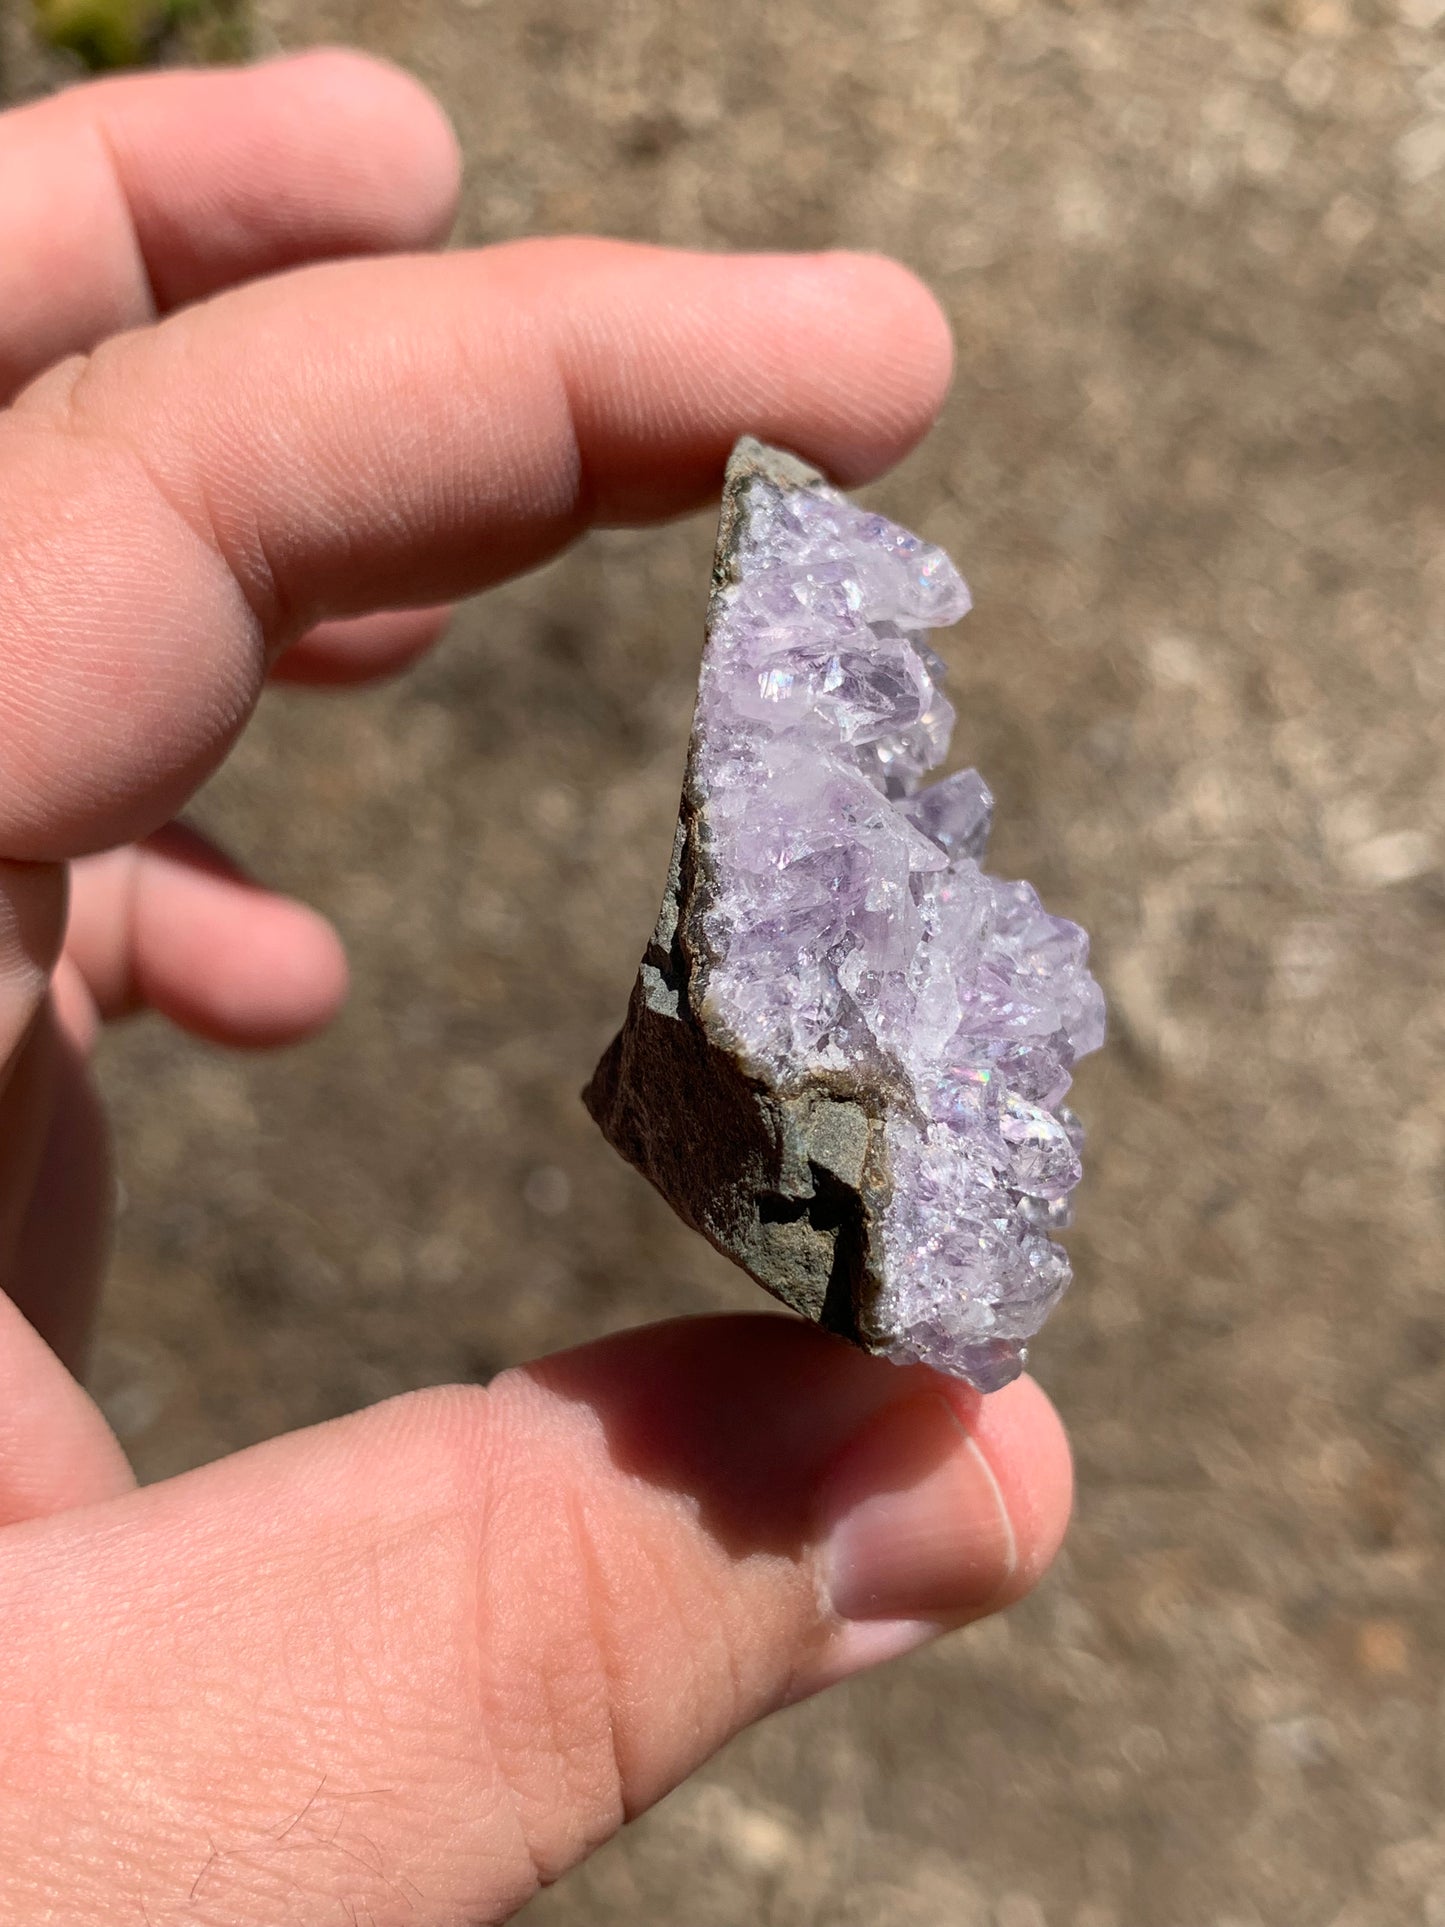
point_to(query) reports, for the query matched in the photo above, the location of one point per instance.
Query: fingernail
(917, 1529)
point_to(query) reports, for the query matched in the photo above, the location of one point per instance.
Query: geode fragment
(847, 1051)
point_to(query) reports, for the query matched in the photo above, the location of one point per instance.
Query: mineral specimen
(846, 1055)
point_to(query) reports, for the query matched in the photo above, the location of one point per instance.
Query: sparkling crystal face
(852, 927)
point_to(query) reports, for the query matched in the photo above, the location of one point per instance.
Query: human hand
(406, 1666)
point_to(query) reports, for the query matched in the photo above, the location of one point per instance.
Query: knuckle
(117, 404)
(530, 1694)
(550, 1676)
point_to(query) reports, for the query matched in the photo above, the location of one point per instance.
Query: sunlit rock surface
(848, 1050)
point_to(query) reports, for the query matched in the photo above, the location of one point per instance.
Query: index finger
(367, 435)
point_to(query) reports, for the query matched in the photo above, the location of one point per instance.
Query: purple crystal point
(879, 1034)
(956, 812)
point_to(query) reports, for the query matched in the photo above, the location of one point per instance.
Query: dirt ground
(1192, 466)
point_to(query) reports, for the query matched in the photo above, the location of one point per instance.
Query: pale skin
(407, 1666)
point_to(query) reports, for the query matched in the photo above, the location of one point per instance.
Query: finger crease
(115, 169)
(253, 579)
(594, 1587)
(585, 496)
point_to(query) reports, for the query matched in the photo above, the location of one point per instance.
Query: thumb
(413, 1664)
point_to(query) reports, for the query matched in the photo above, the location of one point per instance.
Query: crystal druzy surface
(844, 942)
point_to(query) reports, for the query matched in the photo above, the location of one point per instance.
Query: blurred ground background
(1193, 468)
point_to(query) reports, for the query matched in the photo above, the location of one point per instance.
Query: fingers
(56, 1451)
(74, 1007)
(32, 929)
(360, 435)
(364, 649)
(173, 925)
(419, 1661)
(61, 1188)
(142, 193)
(30, 1077)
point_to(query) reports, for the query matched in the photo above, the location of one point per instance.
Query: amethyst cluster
(830, 934)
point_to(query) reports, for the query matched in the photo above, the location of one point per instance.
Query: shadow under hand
(743, 1415)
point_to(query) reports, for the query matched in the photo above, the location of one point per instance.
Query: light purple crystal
(956, 812)
(852, 930)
